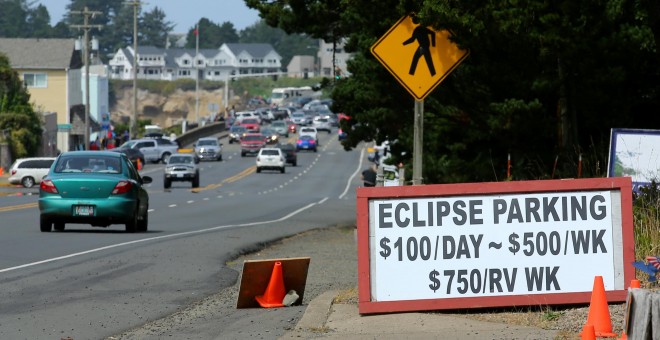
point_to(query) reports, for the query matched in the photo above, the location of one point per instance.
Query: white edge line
(350, 179)
(295, 212)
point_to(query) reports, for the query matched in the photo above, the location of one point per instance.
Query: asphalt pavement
(330, 308)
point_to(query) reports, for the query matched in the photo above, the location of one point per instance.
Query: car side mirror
(146, 180)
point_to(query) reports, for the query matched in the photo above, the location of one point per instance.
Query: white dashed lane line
(172, 205)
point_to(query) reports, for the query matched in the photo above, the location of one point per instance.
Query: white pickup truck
(154, 149)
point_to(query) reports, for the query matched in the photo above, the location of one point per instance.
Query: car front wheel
(165, 157)
(59, 226)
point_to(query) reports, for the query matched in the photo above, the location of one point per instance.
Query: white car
(29, 171)
(248, 114)
(271, 159)
(310, 131)
(322, 124)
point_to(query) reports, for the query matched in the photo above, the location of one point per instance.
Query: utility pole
(86, 27)
(132, 127)
(197, 73)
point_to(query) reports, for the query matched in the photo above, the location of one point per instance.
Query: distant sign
(493, 244)
(635, 153)
(418, 57)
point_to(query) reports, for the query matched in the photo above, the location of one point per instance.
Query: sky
(183, 13)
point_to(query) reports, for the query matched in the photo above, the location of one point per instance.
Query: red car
(251, 124)
(251, 143)
(292, 126)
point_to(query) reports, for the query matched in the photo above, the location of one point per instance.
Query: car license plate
(179, 175)
(83, 210)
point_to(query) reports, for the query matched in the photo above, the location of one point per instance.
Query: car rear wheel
(143, 224)
(282, 170)
(294, 163)
(195, 181)
(59, 226)
(27, 182)
(132, 224)
(45, 224)
(258, 169)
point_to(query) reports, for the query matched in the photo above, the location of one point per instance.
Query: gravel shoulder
(333, 266)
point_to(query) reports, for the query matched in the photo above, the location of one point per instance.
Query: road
(91, 283)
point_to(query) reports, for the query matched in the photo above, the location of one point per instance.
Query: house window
(36, 80)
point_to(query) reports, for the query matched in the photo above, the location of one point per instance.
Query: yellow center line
(20, 206)
(231, 179)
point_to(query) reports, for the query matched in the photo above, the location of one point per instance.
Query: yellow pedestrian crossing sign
(418, 57)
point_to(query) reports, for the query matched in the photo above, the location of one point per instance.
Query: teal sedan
(93, 187)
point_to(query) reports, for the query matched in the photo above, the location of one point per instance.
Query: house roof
(255, 50)
(40, 53)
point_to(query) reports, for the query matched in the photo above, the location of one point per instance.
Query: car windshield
(250, 121)
(207, 142)
(270, 152)
(253, 138)
(298, 115)
(238, 129)
(278, 124)
(180, 160)
(85, 163)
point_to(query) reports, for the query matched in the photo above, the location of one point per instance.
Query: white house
(212, 64)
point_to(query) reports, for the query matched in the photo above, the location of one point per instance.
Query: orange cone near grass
(139, 164)
(599, 312)
(275, 292)
(2, 171)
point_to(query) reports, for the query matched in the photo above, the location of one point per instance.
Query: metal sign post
(418, 139)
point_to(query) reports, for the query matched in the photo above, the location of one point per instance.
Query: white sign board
(635, 153)
(495, 244)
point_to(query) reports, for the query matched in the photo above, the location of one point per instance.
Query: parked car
(270, 159)
(306, 142)
(251, 124)
(154, 150)
(29, 171)
(236, 132)
(281, 127)
(133, 155)
(290, 153)
(251, 143)
(181, 167)
(93, 187)
(208, 148)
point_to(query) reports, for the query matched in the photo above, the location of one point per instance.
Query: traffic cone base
(588, 332)
(599, 312)
(275, 292)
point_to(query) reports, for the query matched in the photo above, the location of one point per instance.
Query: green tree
(38, 22)
(16, 113)
(154, 28)
(544, 79)
(212, 35)
(288, 45)
(13, 18)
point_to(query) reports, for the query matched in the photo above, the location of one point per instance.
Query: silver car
(181, 167)
(208, 148)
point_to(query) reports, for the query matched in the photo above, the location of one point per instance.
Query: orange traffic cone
(599, 312)
(2, 171)
(275, 292)
(634, 283)
(588, 332)
(139, 163)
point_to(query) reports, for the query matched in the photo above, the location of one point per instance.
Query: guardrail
(191, 136)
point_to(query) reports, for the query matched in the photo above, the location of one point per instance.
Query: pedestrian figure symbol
(421, 34)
